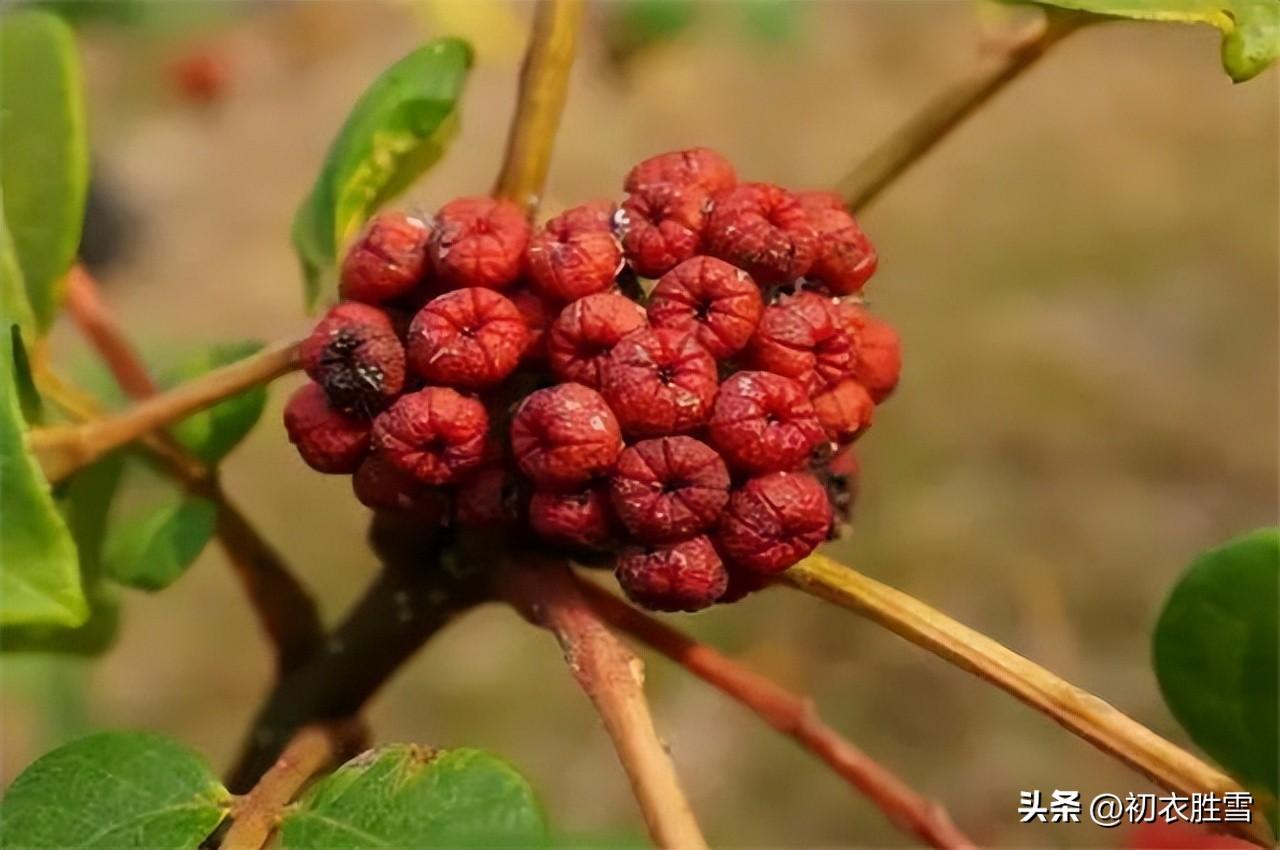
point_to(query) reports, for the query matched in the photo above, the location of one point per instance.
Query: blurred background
(1084, 278)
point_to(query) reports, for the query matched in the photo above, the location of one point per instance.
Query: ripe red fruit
(329, 440)
(661, 226)
(774, 521)
(669, 488)
(563, 436)
(579, 518)
(576, 254)
(355, 355)
(537, 315)
(763, 229)
(720, 303)
(388, 261)
(379, 485)
(479, 242)
(435, 435)
(699, 166)
(659, 381)
(801, 337)
(584, 333)
(846, 259)
(761, 422)
(684, 576)
(844, 410)
(877, 350)
(468, 338)
(487, 499)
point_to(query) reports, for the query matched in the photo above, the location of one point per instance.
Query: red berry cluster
(675, 379)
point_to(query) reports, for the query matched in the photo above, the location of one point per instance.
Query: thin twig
(945, 112)
(1078, 711)
(612, 677)
(314, 748)
(790, 714)
(544, 83)
(96, 322)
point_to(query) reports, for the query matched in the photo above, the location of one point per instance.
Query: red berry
(576, 254)
(537, 315)
(763, 229)
(468, 338)
(488, 498)
(669, 488)
(844, 410)
(762, 422)
(684, 576)
(661, 226)
(699, 166)
(801, 337)
(586, 331)
(435, 435)
(877, 350)
(659, 381)
(388, 261)
(774, 521)
(328, 439)
(579, 519)
(846, 258)
(720, 303)
(379, 485)
(563, 436)
(355, 355)
(479, 242)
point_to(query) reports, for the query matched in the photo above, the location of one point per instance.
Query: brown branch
(1076, 710)
(256, 815)
(612, 677)
(544, 83)
(791, 715)
(948, 110)
(96, 322)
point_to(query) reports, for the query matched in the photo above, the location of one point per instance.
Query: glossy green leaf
(1217, 656)
(397, 130)
(411, 797)
(44, 160)
(212, 433)
(1250, 28)
(113, 790)
(153, 551)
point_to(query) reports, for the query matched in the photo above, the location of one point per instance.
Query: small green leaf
(117, 790)
(152, 552)
(410, 797)
(44, 160)
(1217, 656)
(211, 434)
(1250, 28)
(397, 130)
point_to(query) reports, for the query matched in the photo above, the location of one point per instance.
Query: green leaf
(1250, 28)
(1217, 653)
(44, 160)
(407, 796)
(15, 307)
(153, 551)
(211, 434)
(397, 130)
(113, 789)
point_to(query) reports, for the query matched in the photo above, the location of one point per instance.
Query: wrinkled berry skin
(669, 488)
(773, 521)
(697, 166)
(658, 382)
(355, 355)
(380, 486)
(801, 337)
(761, 422)
(329, 440)
(763, 229)
(877, 351)
(684, 576)
(575, 254)
(661, 226)
(479, 242)
(388, 261)
(578, 519)
(537, 315)
(467, 338)
(846, 259)
(435, 435)
(720, 303)
(488, 498)
(581, 337)
(845, 410)
(563, 436)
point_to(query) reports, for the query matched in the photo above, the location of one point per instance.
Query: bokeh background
(1085, 282)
